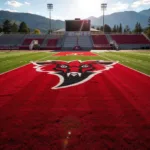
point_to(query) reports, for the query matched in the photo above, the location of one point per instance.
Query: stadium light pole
(103, 7)
(50, 8)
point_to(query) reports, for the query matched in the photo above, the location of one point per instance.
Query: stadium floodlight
(103, 7)
(50, 8)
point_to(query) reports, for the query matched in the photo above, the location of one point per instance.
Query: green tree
(117, 29)
(114, 29)
(101, 28)
(148, 29)
(139, 28)
(29, 30)
(107, 28)
(50, 31)
(93, 27)
(127, 29)
(37, 31)
(148, 32)
(1, 29)
(136, 27)
(23, 28)
(98, 28)
(7, 26)
(120, 28)
(14, 28)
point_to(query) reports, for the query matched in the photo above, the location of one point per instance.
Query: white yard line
(136, 70)
(105, 57)
(43, 58)
(133, 60)
(127, 67)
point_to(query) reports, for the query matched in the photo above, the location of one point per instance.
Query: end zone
(75, 54)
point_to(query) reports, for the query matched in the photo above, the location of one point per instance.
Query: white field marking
(15, 69)
(132, 60)
(105, 57)
(130, 68)
(136, 70)
(43, 58)
(18, 67)
(138, 54)
(39, 69)
(126, 60)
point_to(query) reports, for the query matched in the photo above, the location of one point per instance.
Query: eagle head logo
(72, 73)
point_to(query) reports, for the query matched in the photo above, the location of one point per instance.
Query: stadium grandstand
(77, 33)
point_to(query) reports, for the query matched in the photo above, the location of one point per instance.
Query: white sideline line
(105, 57)
(136, 70)
(128, 67)
(42, 58)
(15, 69)
(49, 56)
(21, 66)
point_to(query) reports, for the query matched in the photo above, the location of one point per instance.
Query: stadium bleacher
(66, 42)
(131, 41)
(85, 42)
(28, 41)
(100, 42)
(11, 39)
(70, 42)
(52, 42)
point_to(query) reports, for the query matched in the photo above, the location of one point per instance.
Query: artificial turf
(136, 60)
(108, 111)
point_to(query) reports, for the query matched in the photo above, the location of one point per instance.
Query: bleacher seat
(52, 42)
(100, 42)
(85, 42)
(11, 39)
(130, 39)
(28, 41)
(70, 42)
(100, 39)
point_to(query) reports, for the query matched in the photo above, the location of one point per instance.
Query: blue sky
(70, 9)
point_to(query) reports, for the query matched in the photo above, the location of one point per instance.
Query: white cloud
(30, 12)
(37, 13)
(138, 3)
(27, 3)
(119, 6)
(58, 17)
(11, 10)
(13, 3)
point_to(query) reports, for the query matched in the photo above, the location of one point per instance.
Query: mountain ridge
(36, 21)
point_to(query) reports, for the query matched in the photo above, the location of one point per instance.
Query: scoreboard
(78, 25)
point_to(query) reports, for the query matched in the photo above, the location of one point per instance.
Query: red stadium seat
(52, 43)
(100, 42)
(100, 39)
(28, 41)
(130, 39)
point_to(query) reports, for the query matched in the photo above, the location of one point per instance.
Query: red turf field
(110, 111)
(75, 53)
